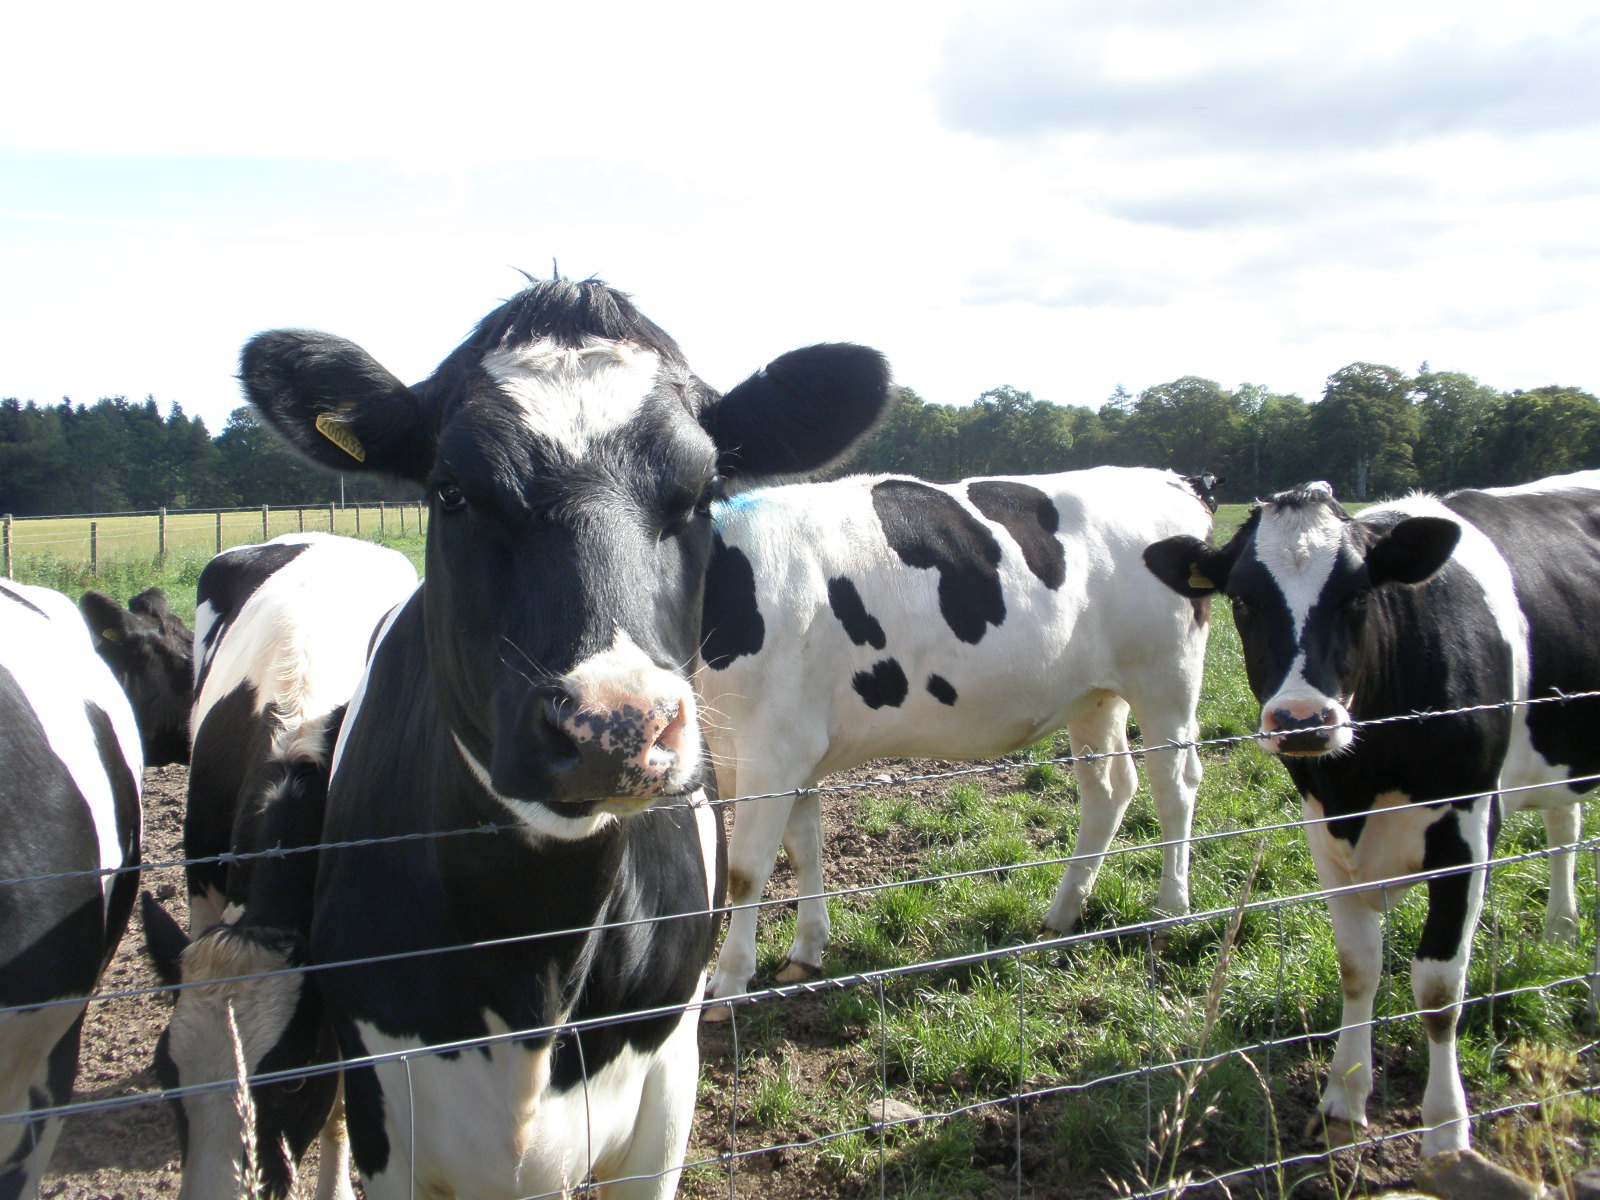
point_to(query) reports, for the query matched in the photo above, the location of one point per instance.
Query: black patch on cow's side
(1030, 517)
(1552, 542)
(928, 529)
(885, 686)
(1446, 923)
(941, 689)
(733, 624)
(861, 626)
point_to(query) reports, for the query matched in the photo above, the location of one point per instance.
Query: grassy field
(1016, 1041)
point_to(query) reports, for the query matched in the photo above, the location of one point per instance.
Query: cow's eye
(451, 497)
(1357, 601)
(1242, 607)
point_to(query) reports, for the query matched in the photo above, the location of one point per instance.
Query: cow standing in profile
(1476, 598)
(70, 776)
(883, 616)
(538, 682)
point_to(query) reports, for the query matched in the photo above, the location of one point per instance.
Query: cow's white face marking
(571, 397)
(1300, 547)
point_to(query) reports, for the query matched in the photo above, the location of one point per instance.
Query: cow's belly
(489, 1127)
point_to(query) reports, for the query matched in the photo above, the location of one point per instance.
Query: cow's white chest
(1391, 846)
(489, 1125)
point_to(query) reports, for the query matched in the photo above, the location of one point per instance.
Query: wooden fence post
(7, 539)
(380, 515)
(219, 531)
(94, 547)
(300, 516)
(402, 519)
(263, 522)
(331, 529)
(161, 533)
(358, 520)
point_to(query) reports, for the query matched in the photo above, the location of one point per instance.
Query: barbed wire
(877, 977)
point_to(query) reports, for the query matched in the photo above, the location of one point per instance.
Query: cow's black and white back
(1478, 598)
(70, 775)
(537, 680)
(875, 617)
(284, 630)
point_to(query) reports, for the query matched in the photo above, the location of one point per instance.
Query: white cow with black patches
(70, 768)
(1475, 598)
(883, 616)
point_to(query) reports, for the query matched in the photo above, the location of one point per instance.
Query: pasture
(1129, 1059)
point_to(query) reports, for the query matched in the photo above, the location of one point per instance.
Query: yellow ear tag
(1197, 580)
(333, 427)
(111, 635)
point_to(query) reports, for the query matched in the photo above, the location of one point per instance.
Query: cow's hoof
(795, 971)
(1333, 1132)
(716, 1014)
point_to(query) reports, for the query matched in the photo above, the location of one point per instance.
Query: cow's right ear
(337, 405)
(1189, 566)
(107, 620)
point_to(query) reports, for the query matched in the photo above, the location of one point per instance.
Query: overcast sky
(1057, 195)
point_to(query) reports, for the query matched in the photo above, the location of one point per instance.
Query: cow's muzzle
(1298, 728)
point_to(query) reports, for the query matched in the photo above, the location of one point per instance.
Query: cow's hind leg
(1563, 826)
(1174, 776)
(1105, 785)
(36, 1080)
(802, 841)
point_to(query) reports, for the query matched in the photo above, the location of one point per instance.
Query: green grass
(1100, 1007)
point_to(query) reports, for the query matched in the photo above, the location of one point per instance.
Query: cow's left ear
(800, 413)
(1412, 551)
(337, 405)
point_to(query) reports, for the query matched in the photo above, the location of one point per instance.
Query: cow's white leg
(802, 840)
(1358, 934)
(654, 1159)
(34, 1046)
(758, 827)
(1105, 785)
(1174, 777)
(1562, 827)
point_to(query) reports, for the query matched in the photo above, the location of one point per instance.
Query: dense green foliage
(1375, 432)
(120, 456)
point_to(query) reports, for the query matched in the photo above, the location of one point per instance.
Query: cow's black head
(570, 457)
(151, 652)
(1300, 575)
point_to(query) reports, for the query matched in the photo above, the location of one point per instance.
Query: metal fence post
(94, 547)
(161, 533)
(263, 522)
(7, 540)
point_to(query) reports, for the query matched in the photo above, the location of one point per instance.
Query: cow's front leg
(758, 827)
(1439, 971)
(650, 1168)
(1358, 935)
(1105, 785)
(802, 841)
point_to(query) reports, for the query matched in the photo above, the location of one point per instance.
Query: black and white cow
(151, 653)
(70, 767)
(283, 629)
(884, 616)
(1475, 598)
(538, 680)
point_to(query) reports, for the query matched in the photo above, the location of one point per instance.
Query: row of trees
(121, 456)
(1375, 431)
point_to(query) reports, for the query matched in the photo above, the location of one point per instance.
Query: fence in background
(1030, 959)
(94, 538)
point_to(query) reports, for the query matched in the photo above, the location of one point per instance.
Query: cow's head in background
(1303, 579)
(151, 653)
(570, 457)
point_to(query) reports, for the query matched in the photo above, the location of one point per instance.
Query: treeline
(1375, 431)
(120, 456)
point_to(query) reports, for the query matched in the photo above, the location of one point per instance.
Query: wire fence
(1014, 1101)
(97, 538)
